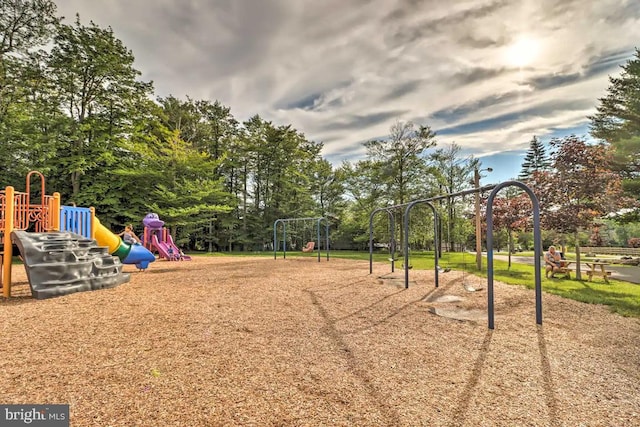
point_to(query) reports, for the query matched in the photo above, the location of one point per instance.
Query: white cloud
(344, 72)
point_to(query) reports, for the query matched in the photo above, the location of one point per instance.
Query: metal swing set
(310, 245)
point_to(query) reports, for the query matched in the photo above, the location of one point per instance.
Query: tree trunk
(210, 235)
(578, 275)
(75, 185)
(510, 246)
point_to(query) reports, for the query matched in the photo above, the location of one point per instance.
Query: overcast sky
(487, 75)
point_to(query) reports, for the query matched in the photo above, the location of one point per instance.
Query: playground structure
(157, 238)
(310, 245)
(66, 249)
(494, 190)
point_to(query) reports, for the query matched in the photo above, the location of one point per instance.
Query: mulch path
(248, 341)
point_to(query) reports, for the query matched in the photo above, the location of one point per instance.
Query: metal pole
(371, 241)
(284, 240)
(406, 246)
(476, 182)
(327, 236)
(318, 236)
(275, 239)
(436, 252)
(392, 239)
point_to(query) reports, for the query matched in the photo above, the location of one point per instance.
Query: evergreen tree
(536, 160)
(617, 121)
(618, 114)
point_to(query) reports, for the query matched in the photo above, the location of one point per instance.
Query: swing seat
(309, 248)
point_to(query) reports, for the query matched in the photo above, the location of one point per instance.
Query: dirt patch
(257, 341)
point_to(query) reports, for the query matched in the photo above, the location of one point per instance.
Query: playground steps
(61, 263)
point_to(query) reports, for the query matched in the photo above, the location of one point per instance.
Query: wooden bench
(598, 269)
(604, 274)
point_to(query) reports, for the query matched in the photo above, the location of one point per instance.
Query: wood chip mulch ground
(244, 341)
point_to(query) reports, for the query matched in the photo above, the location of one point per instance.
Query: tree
(402, 155)
(185, 192)
(366, 191)
(26, 26)
(617, 121)
(402, 162)
(618, 114)
(536, 160)
(513, 213)
(274, 166)
(580, 188)
(453, 174)
(96, 86)
(327, 188)
(210, 128)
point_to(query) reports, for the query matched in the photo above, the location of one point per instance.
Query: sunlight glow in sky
(523, 52)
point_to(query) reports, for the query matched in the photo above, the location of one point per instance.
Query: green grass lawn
(621, 297)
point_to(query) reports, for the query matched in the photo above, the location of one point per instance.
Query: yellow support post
(54, 212)
(9, 207)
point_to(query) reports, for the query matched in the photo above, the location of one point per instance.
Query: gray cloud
(602, 64)
(625, 11)
(475, 75)
(305, 103)
(397, 92)
(357, 121)
(479, 42)
(554, 80)
(460, 112)
(607, 61)
(521, 115)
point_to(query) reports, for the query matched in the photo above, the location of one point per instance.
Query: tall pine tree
(536, 160)
(617, 121)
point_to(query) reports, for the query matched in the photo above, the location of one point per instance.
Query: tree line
(73, 106)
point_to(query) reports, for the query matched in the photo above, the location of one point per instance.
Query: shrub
(634, 242)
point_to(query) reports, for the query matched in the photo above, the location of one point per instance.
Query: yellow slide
(128, 254)
(105, 237)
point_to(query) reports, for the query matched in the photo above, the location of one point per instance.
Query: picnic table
(564, 269)
(597, 268)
